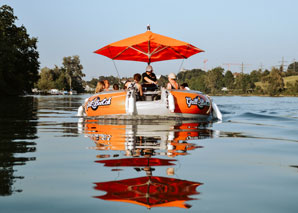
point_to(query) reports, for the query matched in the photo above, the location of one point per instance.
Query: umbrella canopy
(152, 191)
(148, 47)
(137, 162)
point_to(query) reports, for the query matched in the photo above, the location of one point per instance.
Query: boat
(159, 103)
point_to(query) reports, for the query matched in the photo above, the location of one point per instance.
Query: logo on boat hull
(102, 137)
(198, 101)
(96, 102)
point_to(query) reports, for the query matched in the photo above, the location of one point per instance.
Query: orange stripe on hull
(191, 103)
(106, 104)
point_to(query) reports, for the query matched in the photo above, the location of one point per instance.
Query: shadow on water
(143, 147)
(18, 121)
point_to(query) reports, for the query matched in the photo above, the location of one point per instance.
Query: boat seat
(151, 95)
(149, 87)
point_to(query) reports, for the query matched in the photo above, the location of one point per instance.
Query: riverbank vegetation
(19, 71)
(65, 78)
(218, 82)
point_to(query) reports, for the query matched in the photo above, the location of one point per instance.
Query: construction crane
(235, 64)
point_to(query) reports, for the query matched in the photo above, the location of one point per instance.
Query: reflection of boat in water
(169, 139)
(150, 47)
(146, 146)
(150, 191)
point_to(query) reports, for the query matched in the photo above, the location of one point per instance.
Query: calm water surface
(50, 162)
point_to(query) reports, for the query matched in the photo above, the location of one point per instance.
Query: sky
(257, 33)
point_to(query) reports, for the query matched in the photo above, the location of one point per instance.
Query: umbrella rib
(157, 51)
(138, 50)
(127, 49)
(120, 53)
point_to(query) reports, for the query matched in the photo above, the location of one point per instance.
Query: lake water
(51, 163)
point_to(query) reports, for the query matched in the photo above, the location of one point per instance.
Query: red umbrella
(152, 191)
(137, 162)
(148, 47)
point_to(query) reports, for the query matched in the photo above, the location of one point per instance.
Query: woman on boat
(107, 85)
(100, 87)
(136, 84)
(172, 82)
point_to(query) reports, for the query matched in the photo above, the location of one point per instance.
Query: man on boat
(149, 79)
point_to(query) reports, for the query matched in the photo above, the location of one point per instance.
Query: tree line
(19, 70)
(218, 82)
(67, 77)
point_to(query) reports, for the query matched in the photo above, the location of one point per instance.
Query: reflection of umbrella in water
(148, 47)
(137, 162)
(152, 191)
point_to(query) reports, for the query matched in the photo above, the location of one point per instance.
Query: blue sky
(254, 32)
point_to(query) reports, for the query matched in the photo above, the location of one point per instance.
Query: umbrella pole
(117, 72)
(181, 65)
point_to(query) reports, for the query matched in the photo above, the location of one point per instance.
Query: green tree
(275, 82)
(73, 71)
(112, 79)
(244, 83)
(46, 80)
(162, 81)
(292, 69)
(256, 75)
(194, 78)
(214, 79)
(229, 80)
(18, 56)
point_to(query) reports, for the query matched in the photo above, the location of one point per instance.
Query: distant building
(236, 74)
(54, 92)
(89, 89)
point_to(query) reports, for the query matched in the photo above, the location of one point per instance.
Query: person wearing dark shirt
(149, 77)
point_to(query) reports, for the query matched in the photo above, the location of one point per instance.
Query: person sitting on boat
(100, 87)
(136, 84)
(172, 82)
(184, 86)
(115, 86)
(107, 85)
(149, 79)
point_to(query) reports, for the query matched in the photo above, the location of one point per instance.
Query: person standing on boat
(149, 77)
(172, 82)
